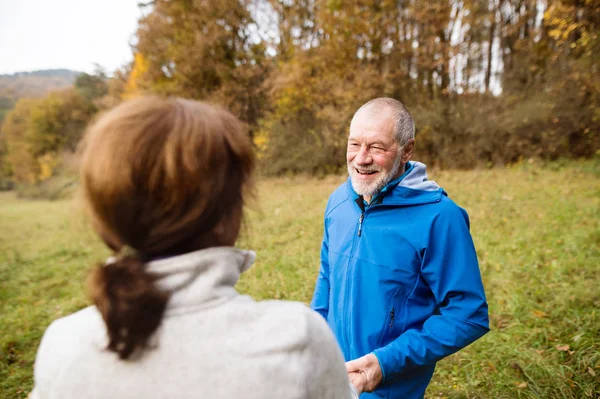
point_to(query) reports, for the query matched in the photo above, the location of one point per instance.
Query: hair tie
(125, 252)
(128, 252)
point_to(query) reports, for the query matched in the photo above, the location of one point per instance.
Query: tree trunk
(490, 53)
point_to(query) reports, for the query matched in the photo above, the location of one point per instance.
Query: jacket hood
(412, 188)
(417, 178)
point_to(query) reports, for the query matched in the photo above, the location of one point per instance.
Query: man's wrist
(383, 376)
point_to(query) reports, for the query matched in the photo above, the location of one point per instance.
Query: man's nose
(363, 157)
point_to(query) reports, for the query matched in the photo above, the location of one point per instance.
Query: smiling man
(399, 282)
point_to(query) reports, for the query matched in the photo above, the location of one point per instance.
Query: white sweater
(212, 343)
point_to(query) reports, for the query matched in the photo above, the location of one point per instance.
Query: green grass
(537, 233)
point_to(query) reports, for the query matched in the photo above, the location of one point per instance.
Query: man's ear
(407, 150)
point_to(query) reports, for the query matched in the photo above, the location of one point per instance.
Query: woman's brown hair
(163, 176)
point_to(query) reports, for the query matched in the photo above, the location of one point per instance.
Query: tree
(201, 49)
(57, 122)
(16, 130)
(136, 80)
(486, 79)
(92, 87)
(5, 170)
(38, 132)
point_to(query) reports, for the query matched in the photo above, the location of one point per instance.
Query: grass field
(537, 233)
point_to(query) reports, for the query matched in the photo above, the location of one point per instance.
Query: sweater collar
(201, 278)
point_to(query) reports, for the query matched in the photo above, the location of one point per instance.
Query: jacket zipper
(360, 222)
(392, 318)
(347, 330)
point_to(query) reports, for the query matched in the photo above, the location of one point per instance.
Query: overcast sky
(72, 34)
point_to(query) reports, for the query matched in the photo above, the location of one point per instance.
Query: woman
(164, 181)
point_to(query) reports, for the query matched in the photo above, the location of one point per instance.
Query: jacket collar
(201, 278)
(413, 187)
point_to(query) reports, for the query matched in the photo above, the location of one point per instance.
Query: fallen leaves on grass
(521, 385)
(539, 313)
(500, 321)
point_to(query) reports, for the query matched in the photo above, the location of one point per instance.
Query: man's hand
(359, 380)
(364, 373)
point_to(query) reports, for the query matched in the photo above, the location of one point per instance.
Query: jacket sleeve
(450, 269)
(320, 301)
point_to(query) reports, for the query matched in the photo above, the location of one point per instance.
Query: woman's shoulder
(295, 321)
(298, 312)
(294, 312)
(81, 321)
(63, 339)
(85, 325)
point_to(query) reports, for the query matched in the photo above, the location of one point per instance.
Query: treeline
(39, 136)
(488, 81)
(32, 84)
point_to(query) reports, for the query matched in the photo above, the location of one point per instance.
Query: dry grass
(537, 233)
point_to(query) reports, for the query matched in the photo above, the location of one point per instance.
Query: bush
(54, 188)
(467, 131)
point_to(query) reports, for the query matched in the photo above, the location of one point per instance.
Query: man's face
(373, 155)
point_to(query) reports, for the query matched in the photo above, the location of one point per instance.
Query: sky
(71, 34)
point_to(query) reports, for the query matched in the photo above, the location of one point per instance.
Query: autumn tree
(136, 82)
(202, 49)
(92, 87)
(38, 132)
(573, 27)
(489, 81)
(58, 121)
(17, 134)
(5, 169)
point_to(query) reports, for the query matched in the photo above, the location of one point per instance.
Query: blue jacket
(399, 278)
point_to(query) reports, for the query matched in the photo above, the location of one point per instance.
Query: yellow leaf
(562, 348)
(591, 371)
(521, 385)
(140, 67)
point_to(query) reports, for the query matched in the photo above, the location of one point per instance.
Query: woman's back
(212, 343)
(165, 182)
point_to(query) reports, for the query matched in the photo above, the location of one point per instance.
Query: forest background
(489, 82)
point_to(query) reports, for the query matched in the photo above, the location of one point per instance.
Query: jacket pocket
(390, 325)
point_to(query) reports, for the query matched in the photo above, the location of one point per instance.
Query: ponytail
(167, 176)
(129, 302)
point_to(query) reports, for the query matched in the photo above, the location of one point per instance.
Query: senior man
(399, 282)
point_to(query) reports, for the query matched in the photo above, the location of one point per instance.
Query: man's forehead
(377, 111)
(377, 126)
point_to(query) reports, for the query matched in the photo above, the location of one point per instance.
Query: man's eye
(353, 145)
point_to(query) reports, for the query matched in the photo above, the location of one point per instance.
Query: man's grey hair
(404, 126)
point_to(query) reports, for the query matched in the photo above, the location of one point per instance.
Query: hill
(32, 84)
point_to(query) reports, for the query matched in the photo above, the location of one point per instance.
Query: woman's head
(164, 177)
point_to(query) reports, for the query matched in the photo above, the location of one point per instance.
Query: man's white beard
(371, 189)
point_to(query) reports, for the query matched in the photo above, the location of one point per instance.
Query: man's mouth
(365, 172)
